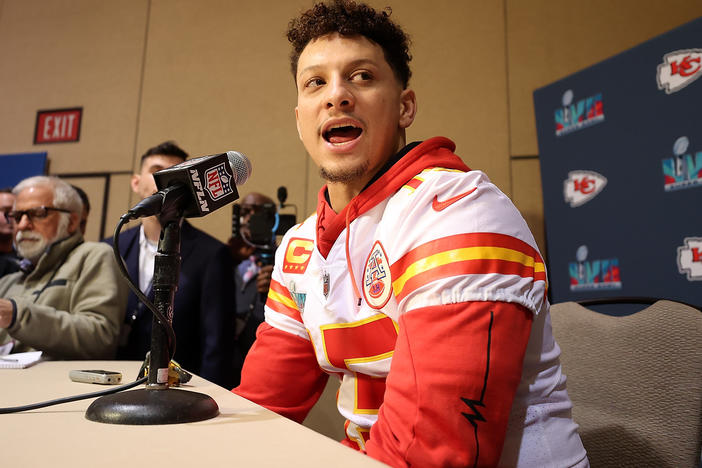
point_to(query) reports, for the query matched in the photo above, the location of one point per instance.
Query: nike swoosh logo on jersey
(442, 205)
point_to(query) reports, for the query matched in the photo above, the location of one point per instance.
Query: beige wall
(213, 75)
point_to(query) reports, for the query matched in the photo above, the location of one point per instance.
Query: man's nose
(339, 94)
(24, 222)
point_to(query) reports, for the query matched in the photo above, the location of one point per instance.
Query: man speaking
(417, 283)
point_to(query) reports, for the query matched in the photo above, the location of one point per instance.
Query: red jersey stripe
(468, 267)
(474, 253)
(476, 239)
(280, 300)
(414, 183)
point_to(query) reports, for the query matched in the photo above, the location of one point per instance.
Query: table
(243, 435)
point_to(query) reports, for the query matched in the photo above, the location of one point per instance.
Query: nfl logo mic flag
(210, 180)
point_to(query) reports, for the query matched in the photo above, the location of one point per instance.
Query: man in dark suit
(203, 312)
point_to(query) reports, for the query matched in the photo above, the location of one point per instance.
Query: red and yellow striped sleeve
(479, 253)
(280, 300)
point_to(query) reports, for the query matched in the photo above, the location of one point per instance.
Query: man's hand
(263, 280)
(5, 313)
(239, 249)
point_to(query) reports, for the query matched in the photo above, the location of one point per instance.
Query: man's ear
(297, 124)
(408, 107)
(73, 223)
(134, 183)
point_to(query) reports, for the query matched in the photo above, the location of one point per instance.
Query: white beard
(35, 250)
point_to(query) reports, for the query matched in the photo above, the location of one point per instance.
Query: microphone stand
(158, 403)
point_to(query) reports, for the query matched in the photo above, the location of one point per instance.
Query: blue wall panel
(15, 167)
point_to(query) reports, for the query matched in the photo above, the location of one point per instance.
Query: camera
(262, 223)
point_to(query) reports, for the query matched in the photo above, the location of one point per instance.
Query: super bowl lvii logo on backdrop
(582, 186)
(690, 258)
(679, 69)
(587, 275)
(683, 170)
(575, 116)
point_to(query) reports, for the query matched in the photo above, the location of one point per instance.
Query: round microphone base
(148, 407)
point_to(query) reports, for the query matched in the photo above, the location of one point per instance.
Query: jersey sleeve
(468, 280)
(460, 239)
(282, 310)
(451, 384)
(281, 371)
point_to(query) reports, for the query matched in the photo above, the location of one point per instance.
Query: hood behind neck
(434, 152)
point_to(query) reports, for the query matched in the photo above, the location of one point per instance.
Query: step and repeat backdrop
(620, 147)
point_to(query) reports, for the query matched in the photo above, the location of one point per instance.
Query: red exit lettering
(58, 126)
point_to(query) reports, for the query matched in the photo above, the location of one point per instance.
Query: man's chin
(31, 252)
(343, 174)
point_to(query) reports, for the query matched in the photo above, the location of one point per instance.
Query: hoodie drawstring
(348, 259)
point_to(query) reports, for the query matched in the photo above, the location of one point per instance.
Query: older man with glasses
(67, 300)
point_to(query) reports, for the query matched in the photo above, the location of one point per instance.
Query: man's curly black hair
(349, 18)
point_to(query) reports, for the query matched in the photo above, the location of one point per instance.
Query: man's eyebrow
(352, 64)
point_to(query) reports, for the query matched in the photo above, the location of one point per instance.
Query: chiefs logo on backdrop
(297, 255)
(582, 186)
(679, 69)
(690, 258)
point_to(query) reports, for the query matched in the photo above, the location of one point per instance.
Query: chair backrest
(635, 382)
(324, 417)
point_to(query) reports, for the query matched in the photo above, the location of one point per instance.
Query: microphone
(195, 187)
(282, 195)
(192, 188)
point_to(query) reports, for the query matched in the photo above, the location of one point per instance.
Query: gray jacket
(71, 306)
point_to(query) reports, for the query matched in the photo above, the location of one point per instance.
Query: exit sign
(58, 125)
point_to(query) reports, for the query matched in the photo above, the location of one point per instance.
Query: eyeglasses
(33, 214)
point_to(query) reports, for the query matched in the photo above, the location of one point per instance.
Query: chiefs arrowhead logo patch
(377, 285)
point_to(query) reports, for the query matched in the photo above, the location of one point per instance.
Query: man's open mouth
(339, 134)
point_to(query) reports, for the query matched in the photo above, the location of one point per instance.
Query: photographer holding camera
(252, 245)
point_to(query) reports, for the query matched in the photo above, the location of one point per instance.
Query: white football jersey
(444, 236)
